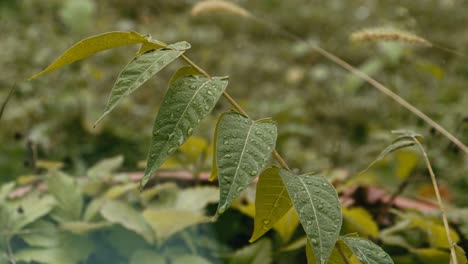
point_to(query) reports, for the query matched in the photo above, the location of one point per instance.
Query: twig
(382, 88)
(439, 201)
(10, 94)
(11, 257)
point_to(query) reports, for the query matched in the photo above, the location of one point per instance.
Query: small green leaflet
(92, 45)
(188, 100)
(243, 149)
(366, 251)
(271, 202)
(318, 207)
(141, 69)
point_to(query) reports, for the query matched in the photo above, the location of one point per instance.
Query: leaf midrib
(316, 218)
(240, 159)
(147, 69)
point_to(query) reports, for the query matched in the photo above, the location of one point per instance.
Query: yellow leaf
(358, 220)
(272, 202)
(119, 190)
(194, 147)
(336, 257)
(435, 231)
(92, 45)
(168, 222)
(432, 255)
(407, 161)
(49, 165)
(287, 225)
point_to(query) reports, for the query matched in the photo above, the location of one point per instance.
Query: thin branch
(10, 94)
(439, 201)
(11, 258)
(236, 106)
(382, 88)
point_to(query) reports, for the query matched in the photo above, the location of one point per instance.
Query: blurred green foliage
(328, 119)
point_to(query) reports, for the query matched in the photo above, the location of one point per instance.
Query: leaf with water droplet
(177, 118)
(92, 45)
(366, 251)
(336, 256)
(325, 223)
(240, 170)
(138, 71)
(271, 202)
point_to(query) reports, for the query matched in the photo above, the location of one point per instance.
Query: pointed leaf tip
(318, 207)
(92, 45)
(243, 149)
(138, 71)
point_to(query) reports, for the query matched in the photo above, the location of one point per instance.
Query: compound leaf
(318, 207)
(188, 100)
(366, 251)
(139, 70)
(272, 202)
(243, 149)
(92, 45)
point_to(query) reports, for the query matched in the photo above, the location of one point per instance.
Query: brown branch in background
(10, 94)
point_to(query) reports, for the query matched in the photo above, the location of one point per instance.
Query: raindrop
(189, 131)
(171, 150)
(156, 132)
(227, 156)
(226, 142)
(266, 222)
(171, 136)
(258, 133)
(309, 222)
(207, 107)
(253, 173)
(314, 241)
(153, 155)
(222, 209)
(382, 254)
(320, 206)
(209, 93)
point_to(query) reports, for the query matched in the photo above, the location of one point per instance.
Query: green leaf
(121, 213)
(69, 198)
(258, 253)
(26, 211)
(192, 259)
(147, 257)
(80, 227)
(165, 223)
(139, 70)
(366, 251)
(70, 250)
(104, 168)
(336, 256)
(196, 199)
(45, 234)
(392, 148)
(92, 45)
(318, 207)
(358, 220)
(243, 149)
(272, 202)
(5, 189)
(188, 100)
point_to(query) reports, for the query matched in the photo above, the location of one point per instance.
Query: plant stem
(10, 94)
(236, 106)
(11, 258)
(439, 201)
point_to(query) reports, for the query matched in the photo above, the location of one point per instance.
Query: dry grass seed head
(384, 34)
(213, 6)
